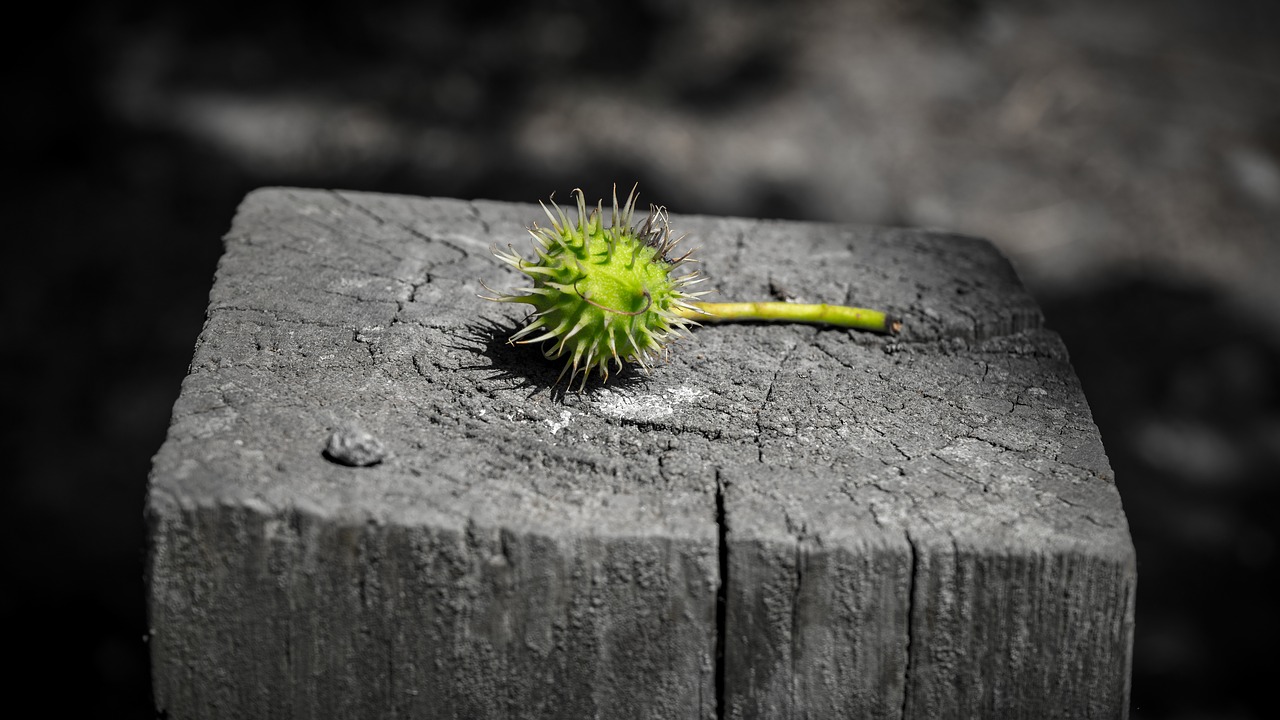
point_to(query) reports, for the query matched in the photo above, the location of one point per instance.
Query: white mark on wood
(556, 427)
(643, 407)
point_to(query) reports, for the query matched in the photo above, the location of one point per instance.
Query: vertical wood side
(1020, 634)
(293, 615)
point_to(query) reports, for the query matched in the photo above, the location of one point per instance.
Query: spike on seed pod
(603, 293)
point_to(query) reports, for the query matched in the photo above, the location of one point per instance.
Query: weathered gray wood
(914, 527)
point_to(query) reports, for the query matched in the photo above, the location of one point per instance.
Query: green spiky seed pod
(603, 293)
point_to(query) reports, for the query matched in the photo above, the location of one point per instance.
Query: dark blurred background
(1125, 155)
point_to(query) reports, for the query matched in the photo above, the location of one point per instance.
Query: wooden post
(782, 521)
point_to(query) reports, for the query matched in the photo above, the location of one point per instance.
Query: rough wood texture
(782, 522)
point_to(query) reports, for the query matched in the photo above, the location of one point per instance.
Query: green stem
(839, 315)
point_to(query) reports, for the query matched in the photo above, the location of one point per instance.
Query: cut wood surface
(782, 521)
